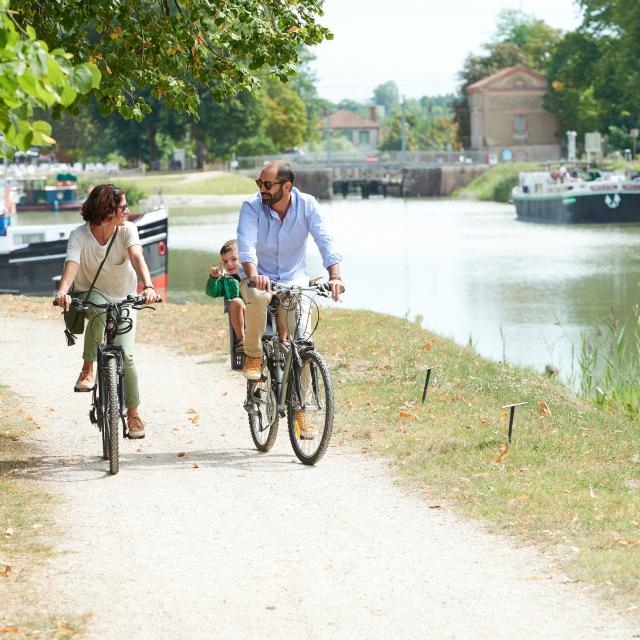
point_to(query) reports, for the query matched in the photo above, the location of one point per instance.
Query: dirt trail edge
(225, 542)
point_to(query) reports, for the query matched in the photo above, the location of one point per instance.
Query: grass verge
(172, 184)
(26, 522)
(569, 482)
(496, 183)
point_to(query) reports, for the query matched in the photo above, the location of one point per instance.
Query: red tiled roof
(345, 119)
(503, 73)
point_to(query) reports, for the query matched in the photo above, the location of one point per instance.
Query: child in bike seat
(224, 281)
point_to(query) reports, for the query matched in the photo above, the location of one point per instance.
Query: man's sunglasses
(267, 184)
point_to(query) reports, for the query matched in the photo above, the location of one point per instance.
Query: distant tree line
(233, 78)
(593, 75)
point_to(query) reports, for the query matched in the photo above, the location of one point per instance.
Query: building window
(520, 127)
(363, 137)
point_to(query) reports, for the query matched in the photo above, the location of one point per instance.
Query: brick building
(508, 119)
(364, 133)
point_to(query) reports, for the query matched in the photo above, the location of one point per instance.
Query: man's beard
(272, 199)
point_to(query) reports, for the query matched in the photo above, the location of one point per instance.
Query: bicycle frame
(290, 351)
(108, 350)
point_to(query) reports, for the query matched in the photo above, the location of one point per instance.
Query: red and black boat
(32, 256)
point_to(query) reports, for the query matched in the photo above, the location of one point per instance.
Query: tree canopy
(594, 74)
(172, 47)
(32, 77)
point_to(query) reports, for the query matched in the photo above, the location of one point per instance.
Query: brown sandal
(239, 346)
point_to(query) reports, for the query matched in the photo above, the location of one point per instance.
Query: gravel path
(224, 542)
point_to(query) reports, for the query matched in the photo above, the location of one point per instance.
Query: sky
(420, 44)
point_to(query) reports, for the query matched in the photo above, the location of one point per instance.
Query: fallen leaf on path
(196, 419)
(191, 411)
(50, 409)
(195, 465)
(426, 347)
(5, 570)
(543, 407)
(225, 393)
(181, 454)
(503, 414)
(64, 629)
(503, 453)
(270, 607)
(139, 450)
(9, 629)
(406, 414)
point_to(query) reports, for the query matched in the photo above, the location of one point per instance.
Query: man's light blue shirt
(279, 248)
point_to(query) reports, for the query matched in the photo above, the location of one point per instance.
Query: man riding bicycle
(273, 230)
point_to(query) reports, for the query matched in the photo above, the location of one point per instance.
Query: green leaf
(68, 95)
(106, 108)
(81, 79)
(96, 75)
(55, 74)
(42, 127)
(27, 83)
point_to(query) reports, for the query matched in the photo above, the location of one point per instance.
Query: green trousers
(93, 334)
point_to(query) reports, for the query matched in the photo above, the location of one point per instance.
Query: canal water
(467, 270)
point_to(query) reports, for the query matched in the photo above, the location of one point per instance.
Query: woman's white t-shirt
(117, 279)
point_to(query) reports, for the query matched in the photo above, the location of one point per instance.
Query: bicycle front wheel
(99, 419)
(263, 414)
(310, 413)
(112, 412)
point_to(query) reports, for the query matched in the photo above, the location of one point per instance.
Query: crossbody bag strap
(115, 233)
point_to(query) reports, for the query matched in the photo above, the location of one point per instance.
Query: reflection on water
(469, 269)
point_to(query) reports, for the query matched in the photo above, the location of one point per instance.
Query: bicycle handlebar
(78, 304)
(322, 289)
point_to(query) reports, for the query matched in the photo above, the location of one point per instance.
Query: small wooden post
(426, 382)
(512, 412)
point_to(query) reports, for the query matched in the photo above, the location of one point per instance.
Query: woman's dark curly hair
(102, 203)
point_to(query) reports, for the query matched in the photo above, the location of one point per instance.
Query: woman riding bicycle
(105, 212)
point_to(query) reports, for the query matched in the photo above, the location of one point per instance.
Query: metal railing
(323, 160)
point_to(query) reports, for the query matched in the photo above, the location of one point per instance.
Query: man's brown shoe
(85, 382)
(136, 427)
(304, 427)
(252, 369)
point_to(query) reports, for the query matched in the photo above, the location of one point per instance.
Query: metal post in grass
(512, 413)
(426, 381)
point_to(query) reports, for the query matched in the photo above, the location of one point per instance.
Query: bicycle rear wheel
(263, 414)
(310, 426)
(112, 412)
